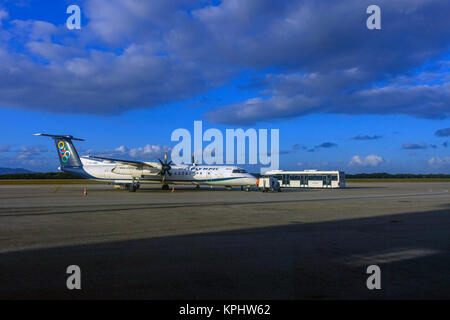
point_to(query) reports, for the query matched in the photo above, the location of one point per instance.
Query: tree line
(46, 175)
(384, 175)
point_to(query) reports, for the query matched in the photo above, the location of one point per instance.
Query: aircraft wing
(128, 162)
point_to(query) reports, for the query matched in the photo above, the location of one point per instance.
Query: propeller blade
(165, 157)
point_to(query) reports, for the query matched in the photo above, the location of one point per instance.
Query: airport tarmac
(204, 244)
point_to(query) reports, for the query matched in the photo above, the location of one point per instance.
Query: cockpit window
(239, 171)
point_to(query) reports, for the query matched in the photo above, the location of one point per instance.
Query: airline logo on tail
(64, 151)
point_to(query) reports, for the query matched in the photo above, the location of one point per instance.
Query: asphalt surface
(203, 244)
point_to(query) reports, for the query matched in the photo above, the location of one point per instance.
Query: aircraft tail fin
(68, 155)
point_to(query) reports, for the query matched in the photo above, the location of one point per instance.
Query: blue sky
(343, 97)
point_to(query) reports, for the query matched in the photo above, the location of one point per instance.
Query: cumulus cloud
(147, 152)
(297, 95)
(370, 160)
(414, 146)
(143, 54)
(439, 161)
(343, 75)
(3, 15)
(443, 132)
(27, 152)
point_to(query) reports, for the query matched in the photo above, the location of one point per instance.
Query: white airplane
(131, 174)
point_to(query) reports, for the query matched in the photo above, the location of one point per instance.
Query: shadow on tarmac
(326, 260)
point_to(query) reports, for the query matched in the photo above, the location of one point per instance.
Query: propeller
(193, 161)
(165, 168)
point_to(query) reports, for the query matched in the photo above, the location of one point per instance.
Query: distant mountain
(14, 170)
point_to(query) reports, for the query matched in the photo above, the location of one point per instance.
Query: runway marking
(389, 257)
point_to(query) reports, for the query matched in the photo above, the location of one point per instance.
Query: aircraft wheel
(133, 187)
(165, 187)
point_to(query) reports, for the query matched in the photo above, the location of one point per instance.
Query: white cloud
(149, 151)
(370, 160)
(438, 161)
(121, 149)
(3, 15)
(27, 152)
(34, 30)
(146, 152)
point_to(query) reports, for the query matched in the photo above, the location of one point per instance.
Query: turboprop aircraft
(130, 175)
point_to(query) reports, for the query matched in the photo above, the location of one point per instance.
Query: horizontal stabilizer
(69, 137)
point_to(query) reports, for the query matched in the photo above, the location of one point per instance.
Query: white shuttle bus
(308, 178)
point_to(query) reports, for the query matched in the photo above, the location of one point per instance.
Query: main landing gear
(132, 187)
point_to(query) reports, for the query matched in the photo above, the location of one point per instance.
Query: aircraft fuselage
(181, 174)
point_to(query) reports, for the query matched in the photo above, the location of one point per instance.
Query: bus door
(327, 181)
(286, 180)
(303, 180)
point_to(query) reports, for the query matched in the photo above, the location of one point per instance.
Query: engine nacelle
(132, 171)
